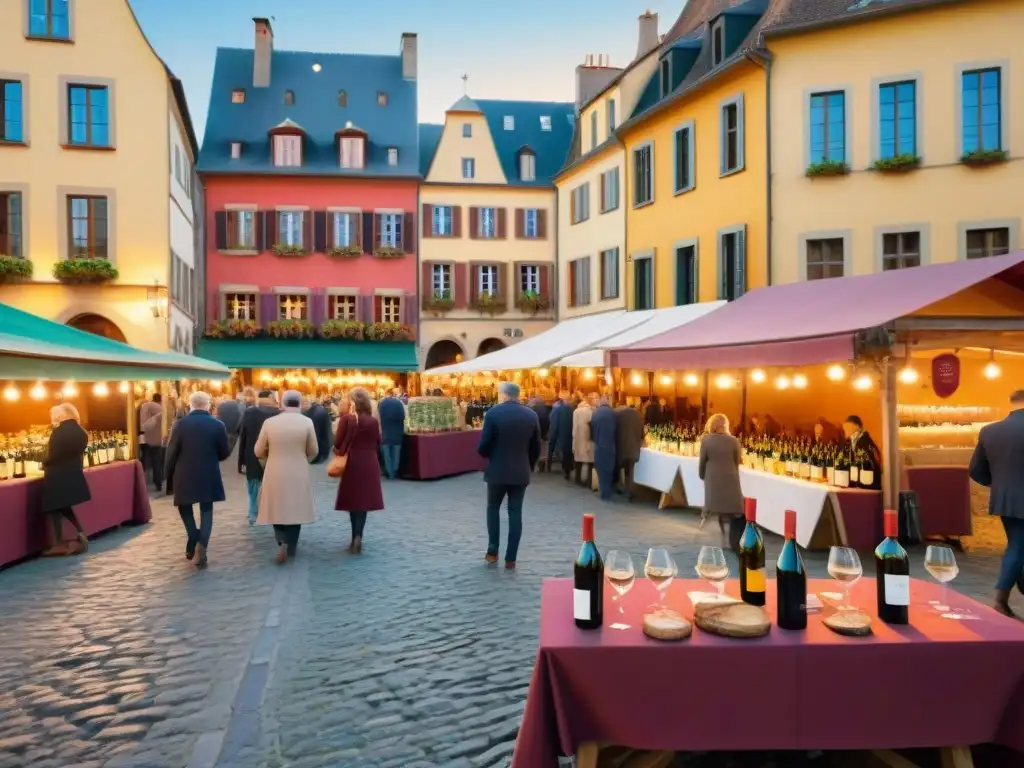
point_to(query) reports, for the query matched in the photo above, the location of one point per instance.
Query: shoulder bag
(340, 460)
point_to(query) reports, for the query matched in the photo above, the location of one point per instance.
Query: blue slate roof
(316, 109)
(430, 137)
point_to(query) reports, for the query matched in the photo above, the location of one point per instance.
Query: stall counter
(428, 456)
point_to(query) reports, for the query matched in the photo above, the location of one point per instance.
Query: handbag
(336, 467)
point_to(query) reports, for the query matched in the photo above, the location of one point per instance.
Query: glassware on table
(940, 562)
(660, 569)
(711, 565)
(618, 569)
(844, 566)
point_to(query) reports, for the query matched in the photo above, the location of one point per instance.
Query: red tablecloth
(862, 517)
(118, 496)
(425, 457)
(944, 498)
(936, 682)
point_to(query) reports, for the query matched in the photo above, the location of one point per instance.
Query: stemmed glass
(844, 566)
(711, 565)
(618, 569)
(940, 562)
(660, 569)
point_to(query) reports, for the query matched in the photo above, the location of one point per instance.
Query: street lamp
(157, 298)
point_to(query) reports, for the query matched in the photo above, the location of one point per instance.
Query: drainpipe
(764, 60)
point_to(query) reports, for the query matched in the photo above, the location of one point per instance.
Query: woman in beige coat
(287, 443)
(582, 444)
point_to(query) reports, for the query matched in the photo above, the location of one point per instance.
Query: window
(684, 157)
(441, 280)
(487, 280)
(183, 285)
(611, 117)
(177, 163)
(389, 230)
(897, 119)
(488, 222)
(342, 99)
(529, 278)
(581, 203)
(825, 258)
(665, 74)
(610, 274)
(88, 227)
(732, 263)
(12, 127)
(717, 42)
(828, 127)
(240, 306)
(687, 287)
(545, 122)
(643, 283)
(731, 138)
(610, 190)
(509, 123)
(982, 106)
(468, 167)
(579, 282)
(241, 231)
(987, 242)
(49, 18)
(344, 229)
(441, 221)
(643, 174)
(388, 309)
(290, 228)
(289, 98)
(382, 98)
(342, 307)
(467, 130)
(392, 156)
(11, 225)
(291, 306)
(531, 222)
(236, 150)
(527, 166)
(353, 152)
(88, 116)
(238, 96)
(901, 250)
(593, 129)
(288, 151)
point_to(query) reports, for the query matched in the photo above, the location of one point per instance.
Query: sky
(526, 50)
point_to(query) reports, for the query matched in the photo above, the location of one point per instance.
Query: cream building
(487, 239)
(97, 190)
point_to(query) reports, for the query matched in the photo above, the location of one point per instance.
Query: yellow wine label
(755, 580)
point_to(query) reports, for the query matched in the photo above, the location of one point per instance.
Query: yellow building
(696, 193)
(895, 137)
(487, 241)
(97, 224)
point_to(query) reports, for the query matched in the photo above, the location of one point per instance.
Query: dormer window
(382, 98)
(545, 122)
(236, 150)
(287, 151)
(392, 156)
(289, 98)
(238, 96)
(717, 42)
(353, 152)
(527, 165)
(342, 99)
(509, 123)
(666, 77)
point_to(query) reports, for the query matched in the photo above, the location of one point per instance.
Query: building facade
(908, 156)
(96, 220)
(488, 212)
(310, 166)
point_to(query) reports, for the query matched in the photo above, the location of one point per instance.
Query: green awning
(310, 353)
(32, 347)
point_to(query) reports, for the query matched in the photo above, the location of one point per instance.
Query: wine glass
(660, 569)
(844, 566)
(711, 565)
(618, 569)
(941, 564)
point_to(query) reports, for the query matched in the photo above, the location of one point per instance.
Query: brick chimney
(647, 37)
(262, 52)
(593, 76)
(409, 55)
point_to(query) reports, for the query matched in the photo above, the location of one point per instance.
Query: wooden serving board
(853, 623)
(732, 619)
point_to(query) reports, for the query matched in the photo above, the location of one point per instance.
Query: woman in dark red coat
(359, 492)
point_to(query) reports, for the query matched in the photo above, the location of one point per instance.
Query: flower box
(389, 332)
(241, 250)
(291, 329)
(440, 302)
(489, 304)
(14, 270)
(352, 330)
(289, 250)
(981, 157)
(345, 252)
(84, 271)
(388, 253)
(233, 329)
(827, 168)
(897, 164)
(533, 302)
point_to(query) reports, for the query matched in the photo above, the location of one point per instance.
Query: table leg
(893, 760)
(586, 755)
(675, 497)
(957, 757)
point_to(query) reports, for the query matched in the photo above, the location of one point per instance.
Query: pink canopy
(810, 322)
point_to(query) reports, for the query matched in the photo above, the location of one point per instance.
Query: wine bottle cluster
(832, 463)
(25, 458)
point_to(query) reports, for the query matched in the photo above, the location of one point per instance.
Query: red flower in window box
(389, 332)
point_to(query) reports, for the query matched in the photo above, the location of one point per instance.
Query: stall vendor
(860, 440)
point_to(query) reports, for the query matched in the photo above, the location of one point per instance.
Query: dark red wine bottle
(892, 573)
(588, 581)
(751, 554)
(791, 581)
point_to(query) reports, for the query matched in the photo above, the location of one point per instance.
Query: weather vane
(465, 85)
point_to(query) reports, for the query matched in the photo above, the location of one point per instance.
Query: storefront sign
(945, 374)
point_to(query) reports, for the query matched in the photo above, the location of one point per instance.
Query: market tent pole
(132, 422)
(890, 438)
(743, 402)
(704, 400)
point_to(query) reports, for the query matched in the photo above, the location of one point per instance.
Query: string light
(782, 382)
(11, 393)
(70, 390)
(636, 379)
(123, 387)
(666, 380)
(862, 382)
(800, 381)
(724, 381)
(588, 374)
(992, 370)
(908, 375)
(542, 372)
(836, 373)
(100, 389)
(38, 392)
(758, 376)
(691, 379)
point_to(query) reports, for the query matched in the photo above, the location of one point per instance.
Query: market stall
(438, 442)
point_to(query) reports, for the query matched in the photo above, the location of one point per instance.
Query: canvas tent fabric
(661, 320)
(311, 353)
(811, 322)
(547, 348)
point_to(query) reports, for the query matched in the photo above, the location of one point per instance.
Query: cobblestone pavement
(415, 654)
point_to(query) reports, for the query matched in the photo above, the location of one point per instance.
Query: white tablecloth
(774, 493)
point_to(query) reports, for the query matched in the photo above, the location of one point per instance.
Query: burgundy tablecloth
(425, 457)
(936, 682)
(944, 498)
(862, 517)
(118, 496)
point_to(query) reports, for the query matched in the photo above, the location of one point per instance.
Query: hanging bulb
(11, 393)
(908, 375)
(691, 380)
(800, 381)
(70, 390)
(724, 381)
(588, 374)
(782, 382)
(100, 389)
(758, 376)
(862, 383)
(992, 370)
(836, 373)
(636, 379)
(666, 380)
(38, 392)
(123, 387)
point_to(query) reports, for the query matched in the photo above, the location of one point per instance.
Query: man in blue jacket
(603, 430)
(392, 432)
(511, 444)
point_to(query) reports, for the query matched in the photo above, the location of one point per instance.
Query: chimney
(593, 76)
(409, 55)
(262, 52)
(647, 37)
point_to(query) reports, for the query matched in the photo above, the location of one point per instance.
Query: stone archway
(98, 326)
(443, 352)
(489, 345)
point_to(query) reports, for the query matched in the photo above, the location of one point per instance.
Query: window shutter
(266, 312)
(586, 280)
(356, 225)
(546, 275)
(604, 183)
(474, 282)
(216, 311)
(320, 231)
(516, 288)
(457, 221)
(220, 219)
(307, 230)
(426, 281)
(474, 222)
(408, 234)
(542, 224)
(520, 223)
(366, 309)
(695, 276)
(460, 285)
(502, 225)
(378, 309)
(409, 309)
(269, 230)
(723, 288)
(369, 232)
(572, 206)
(741, 136)
(504, 289)
(428, 220)
(722, 149)
(740, 268)
(317, 306)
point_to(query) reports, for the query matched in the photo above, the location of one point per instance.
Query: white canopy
(545, 349)
(659, 321)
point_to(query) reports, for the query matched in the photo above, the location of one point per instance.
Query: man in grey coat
(603, 430)
(229, 413)
(997, 463)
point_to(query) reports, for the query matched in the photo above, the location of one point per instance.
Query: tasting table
(119, 496)
(804, 690)
(442, 454)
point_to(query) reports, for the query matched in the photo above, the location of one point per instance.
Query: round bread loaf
(667, 625)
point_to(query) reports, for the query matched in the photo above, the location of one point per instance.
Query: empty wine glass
(711, 565)
(940, 562)
(844, 566)
(660, 569)
(618, 569)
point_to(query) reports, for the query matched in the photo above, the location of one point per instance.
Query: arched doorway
(444, 352)
(489, 345)
(98, 326)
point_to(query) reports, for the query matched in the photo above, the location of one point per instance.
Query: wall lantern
(157, 298)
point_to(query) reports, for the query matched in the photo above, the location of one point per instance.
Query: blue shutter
(740, 267)
(741, 135)
(723, 289)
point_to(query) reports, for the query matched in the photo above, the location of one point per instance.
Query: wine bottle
(791, 581)
(19, 465)
(867, 470)
(3, 465)
(751, 555)
(854, 469)
(588, 581)
(842, 472)
(892, 568)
